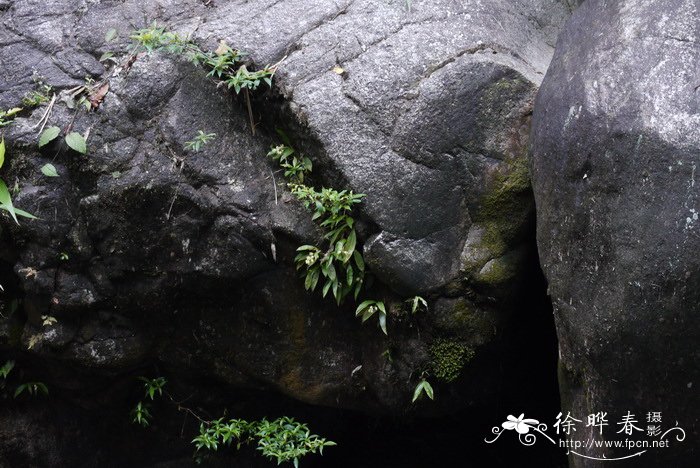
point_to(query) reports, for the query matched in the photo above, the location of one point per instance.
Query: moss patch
(506, 206)
(447, 358)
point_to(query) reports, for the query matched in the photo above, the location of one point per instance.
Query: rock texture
(183, 260)
(615, 152)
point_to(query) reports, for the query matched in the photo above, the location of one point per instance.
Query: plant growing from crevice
(225, 64)
(337, 263)
(201, 139)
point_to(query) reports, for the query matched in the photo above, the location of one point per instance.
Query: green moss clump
(448, 358)
(507, 206)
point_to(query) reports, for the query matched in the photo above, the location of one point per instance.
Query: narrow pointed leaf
(6, 201)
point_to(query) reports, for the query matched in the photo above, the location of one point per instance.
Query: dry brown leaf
(98, 95)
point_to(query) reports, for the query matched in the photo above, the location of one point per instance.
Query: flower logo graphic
(521, 425)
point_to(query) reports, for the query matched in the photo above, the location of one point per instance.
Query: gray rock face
(185, 258)
(615, 150)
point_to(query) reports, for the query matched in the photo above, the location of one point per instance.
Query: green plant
(49, 170)
(417, 303)
(156, 37)
(448, 358)
(32, 388)
(337, 263)
(141, 415)
(199, 140)
(224, 64)
(63, 257)
(7, 116)
(77, 142)
(368, 308)
(423, 387)
(153, 386)
(283, 439)
(217, 432)
(37, 98)
(296, 167)
(6, 369)
(74, 140)
(5, 198)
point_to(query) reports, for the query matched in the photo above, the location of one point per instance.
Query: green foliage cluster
(201, 139)
(39, 96)
(224, 64)
(296, 167)
(448, 358)
(337, 263)
(31, 388)
(283, 439)
(152, 387)
(7, 116)
(368, 308)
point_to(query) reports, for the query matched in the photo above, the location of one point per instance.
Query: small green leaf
(359, 261)
(326, 287)
(111, 35)
(49, 170)
(2, 152)
(77, 142)
(105, 56)
(382, 322)
(428, 390)
(48, 135)
(417, 392)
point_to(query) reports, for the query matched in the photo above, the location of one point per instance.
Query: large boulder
(615, 146)
(147, 253)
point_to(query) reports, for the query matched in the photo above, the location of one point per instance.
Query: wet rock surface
(181, 263)
(615, 145)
